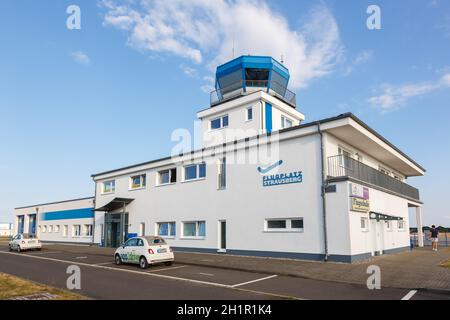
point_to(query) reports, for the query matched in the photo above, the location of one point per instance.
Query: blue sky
(76, 102)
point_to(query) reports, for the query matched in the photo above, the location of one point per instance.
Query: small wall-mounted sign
(360, 205)
(358, 191)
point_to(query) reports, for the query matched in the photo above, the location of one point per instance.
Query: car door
(13, 242)
(17, 241)
(133, 251)
(126, 250)
(140, 247)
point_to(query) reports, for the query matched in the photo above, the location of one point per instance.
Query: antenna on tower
(233, 46)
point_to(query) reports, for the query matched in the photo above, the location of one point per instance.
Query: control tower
(251, 97)
(247, 74)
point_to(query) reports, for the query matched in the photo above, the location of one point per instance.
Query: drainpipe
(93, 224)
(323, 185)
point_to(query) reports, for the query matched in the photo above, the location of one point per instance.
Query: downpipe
(323, 186)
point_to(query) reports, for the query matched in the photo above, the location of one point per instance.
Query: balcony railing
(242, 88)
(343, 166)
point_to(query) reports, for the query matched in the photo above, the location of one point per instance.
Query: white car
(22, 242)
(144, 251)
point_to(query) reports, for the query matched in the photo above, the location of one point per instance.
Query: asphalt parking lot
(102, 279)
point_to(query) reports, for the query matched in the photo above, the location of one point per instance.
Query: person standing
(434, 237)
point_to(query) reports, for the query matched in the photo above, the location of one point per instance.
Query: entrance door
(378, 237)
(116, 226)
(222, 235)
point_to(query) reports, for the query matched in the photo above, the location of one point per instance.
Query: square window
(191, 172)
(219, 123)
(189, 229)
(109, 186)
(194, 229)
(216, 124)
(195, 171)
(138, 182)
(297, 224)
(164, 177)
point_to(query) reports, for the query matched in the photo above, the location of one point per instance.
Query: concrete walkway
(417, 269)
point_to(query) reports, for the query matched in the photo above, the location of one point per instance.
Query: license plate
(32, 241)
(162, 250)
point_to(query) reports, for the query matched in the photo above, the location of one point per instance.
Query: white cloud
(81, 57)
(362, 57)
(200, 30)
(188, 71)
(394, 97)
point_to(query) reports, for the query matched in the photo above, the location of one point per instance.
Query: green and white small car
(144, 251)
(22, 242)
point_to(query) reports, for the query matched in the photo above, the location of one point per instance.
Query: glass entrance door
(116, 225)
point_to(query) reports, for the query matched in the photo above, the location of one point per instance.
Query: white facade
(69, 221)
(6, 229)
(264, 183)
(252, 211)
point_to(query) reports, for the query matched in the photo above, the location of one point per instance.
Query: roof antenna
(233, 45)
(282, 59)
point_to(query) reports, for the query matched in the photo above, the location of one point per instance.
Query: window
(131, 242)
(401, 225)
(219, 123)
(364, 224)
(65, 230)
(249, 114)
(166, 229)
(222, 174)
(276, 224)
(139, 242)
(87, 230)
(76, 230)
(50, 229)
(167, 176)
(284, 225)
(57, 229)
(109, 186)
(138, 182)
(142, 229)
(194, 229)
(195, 171)
(285, 122)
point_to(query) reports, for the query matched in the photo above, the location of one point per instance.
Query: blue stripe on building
(68, 214)
(268, 117)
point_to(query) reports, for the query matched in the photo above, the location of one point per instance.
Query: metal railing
(242, 88)
(345, 166)
(444, 239)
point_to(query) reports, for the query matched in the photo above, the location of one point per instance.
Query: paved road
(101, 279)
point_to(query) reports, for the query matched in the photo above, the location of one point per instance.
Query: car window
(130, 243)
(153, 241)
(140, 243)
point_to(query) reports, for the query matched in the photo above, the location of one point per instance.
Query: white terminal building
(264, 183)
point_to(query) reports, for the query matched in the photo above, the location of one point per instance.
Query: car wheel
(18, 249)
(143, 264)
(10, 249)
(117, 260)
(168, 263)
